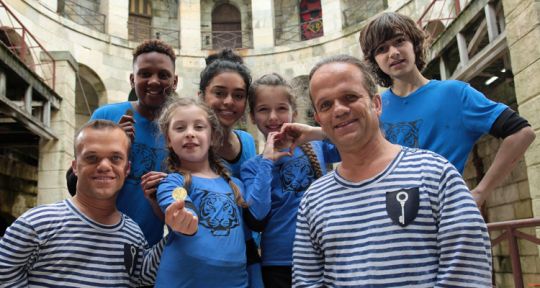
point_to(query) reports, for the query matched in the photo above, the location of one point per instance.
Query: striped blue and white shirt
(57, 245)
(345, 236)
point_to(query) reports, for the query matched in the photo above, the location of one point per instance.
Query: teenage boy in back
(446, 117)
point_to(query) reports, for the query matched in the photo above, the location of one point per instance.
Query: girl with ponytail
(276, 180)
(214, 256)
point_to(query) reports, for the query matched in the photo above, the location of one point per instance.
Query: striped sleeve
(17, 248)
(308, 260)
(463, 239)
(151, 262)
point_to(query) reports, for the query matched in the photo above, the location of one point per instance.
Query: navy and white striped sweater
(57, 245)
(345, 237)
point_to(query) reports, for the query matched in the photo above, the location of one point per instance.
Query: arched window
(226, 27)
(311, 21)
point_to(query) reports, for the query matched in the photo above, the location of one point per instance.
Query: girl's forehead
(188, 112)
(228, 78)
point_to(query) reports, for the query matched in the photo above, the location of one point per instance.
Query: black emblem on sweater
(402, 205)
(130, 257)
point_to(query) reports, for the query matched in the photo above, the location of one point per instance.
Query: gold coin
(179, 193)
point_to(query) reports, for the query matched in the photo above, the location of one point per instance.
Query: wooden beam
(22, 71)
(491, 18)
(32, 124)
(480, 61)
(462, 48)
(477, 38)
(28, 99)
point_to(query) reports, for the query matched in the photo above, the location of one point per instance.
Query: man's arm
(150, 263)
(462, 239)
(17, 249)
(308, 261)
(518, 135)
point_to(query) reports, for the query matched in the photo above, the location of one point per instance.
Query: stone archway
(226, 27)
(90, 93)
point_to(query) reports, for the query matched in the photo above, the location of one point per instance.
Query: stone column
(522, 19)
(332, 16)
(190, 25)
(55, 156)
(263, 23)
(116, 17)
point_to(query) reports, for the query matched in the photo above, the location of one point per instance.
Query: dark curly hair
(385, 27)
(224, 61)
(154, 45)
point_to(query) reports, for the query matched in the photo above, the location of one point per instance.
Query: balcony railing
(139, 32)
(293, 33)
(23, 44)
(441, 11)
(83, 15)
(214, 40)
(510, 233)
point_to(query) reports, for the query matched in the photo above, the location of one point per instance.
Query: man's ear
(132, 80)
(317, 119)
(74, 167)
(128, 168)
(175, 82)
(376, 103)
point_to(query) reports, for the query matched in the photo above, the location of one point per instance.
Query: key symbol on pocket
(402, 197)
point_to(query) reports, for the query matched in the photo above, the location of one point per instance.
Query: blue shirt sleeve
(257, 177)
(479, 112)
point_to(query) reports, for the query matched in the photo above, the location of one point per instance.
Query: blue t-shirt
(274, 190)
(246, 152)
(446, 117)
(147, 154)
(215, 256)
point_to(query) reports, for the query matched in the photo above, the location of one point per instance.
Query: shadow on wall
(5, 220)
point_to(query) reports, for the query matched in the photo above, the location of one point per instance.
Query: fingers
(150, 181)
(180, 219)
(127, 123)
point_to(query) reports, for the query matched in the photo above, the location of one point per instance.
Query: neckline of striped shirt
(98, 226)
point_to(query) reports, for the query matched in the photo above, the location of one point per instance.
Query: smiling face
(101, 163)
(190, 135)
(272, 109)
(395, 57)
(226, 95)
(153, 79)
(343, 106)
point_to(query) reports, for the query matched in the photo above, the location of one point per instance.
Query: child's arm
(257, 176)
(301, 133)
(462, 239)
(18, 249)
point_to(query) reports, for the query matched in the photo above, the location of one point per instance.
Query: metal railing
(83, 15)
(362, 11)
(509, 230)
(441, 10)
(16, 37)
(139, 32)
(293, 33)
(213, 40)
